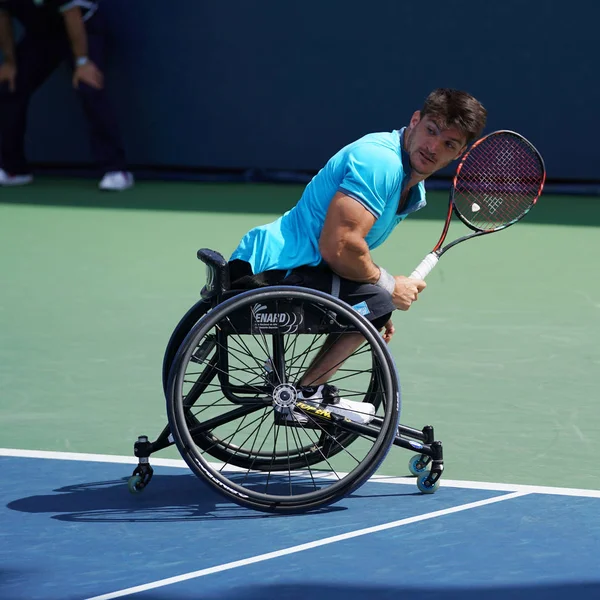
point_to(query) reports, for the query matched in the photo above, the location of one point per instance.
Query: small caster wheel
(417, 466)
(424, 484)
(133, 484)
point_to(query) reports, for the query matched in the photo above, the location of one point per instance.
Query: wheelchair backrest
(217, 274)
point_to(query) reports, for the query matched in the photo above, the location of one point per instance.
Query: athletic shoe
(327, 397)
(11, 180)
(116, 181)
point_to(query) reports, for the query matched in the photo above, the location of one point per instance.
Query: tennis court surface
(71, 530)
(500, 355)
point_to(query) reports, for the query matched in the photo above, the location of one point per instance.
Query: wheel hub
(284, 397)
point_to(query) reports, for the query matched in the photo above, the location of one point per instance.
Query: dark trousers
(370, 300)
(37, 58)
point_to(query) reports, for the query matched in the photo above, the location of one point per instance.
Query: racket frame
(438, 250)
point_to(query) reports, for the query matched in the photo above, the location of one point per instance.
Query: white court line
(301, 547)
(178, 463)
(106, 458)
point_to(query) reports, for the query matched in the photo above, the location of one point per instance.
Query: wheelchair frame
(427, 465)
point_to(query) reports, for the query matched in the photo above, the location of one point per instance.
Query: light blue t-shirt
(373, 170)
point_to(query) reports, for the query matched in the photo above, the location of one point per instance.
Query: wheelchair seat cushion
(242, 277)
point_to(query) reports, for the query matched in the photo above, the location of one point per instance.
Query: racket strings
(498, 182)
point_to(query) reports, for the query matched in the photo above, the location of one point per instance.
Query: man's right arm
(344, 248)
(7, 38)
(342, 243)
(8, 68)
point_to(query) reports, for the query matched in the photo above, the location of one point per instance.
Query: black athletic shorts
(368, 299)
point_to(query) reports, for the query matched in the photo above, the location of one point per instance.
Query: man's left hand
(89, 74)
(388, 331)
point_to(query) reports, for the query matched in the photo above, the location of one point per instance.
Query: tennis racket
(497, 183)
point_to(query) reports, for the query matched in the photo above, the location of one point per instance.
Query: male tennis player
(350, 207)
(56, 30)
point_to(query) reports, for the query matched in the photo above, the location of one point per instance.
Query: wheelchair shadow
(425, 591)
(168, 498)
(404, 494)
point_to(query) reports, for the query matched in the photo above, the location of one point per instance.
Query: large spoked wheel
(234, 410)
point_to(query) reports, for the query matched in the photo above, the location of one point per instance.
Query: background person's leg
(36, 58)
(105, 136)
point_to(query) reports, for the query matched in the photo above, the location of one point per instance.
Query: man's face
(431, 147)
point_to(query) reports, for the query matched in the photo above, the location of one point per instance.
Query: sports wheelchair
(230, 376)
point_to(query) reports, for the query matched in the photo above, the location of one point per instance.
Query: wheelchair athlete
(349, 208)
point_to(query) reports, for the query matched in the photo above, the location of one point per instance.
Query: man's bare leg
(335, 351)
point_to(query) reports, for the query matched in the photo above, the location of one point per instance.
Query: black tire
(191, 317)
(202, 430)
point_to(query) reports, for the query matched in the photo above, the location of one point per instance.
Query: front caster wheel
(134, 484)
(140, 477)
(426, 485)
(418, 464)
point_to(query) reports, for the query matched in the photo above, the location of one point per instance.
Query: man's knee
(380, 322)
(371, 301)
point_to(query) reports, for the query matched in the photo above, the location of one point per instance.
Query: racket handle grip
(425, 266)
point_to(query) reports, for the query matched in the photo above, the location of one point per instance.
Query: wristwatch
(81, 60)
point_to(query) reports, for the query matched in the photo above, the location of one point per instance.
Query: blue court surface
(69, 529)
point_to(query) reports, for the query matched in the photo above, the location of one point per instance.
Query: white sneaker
(116, 181)
(10, 180)
(327, 397)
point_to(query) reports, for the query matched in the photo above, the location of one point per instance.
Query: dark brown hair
(454, 108)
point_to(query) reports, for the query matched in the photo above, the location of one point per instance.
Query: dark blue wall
(282, 85)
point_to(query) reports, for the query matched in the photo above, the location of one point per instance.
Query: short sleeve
(372, 176)
(65, 5)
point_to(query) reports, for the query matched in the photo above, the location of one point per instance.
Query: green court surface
(500, 353)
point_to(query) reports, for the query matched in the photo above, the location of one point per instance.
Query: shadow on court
(251, 198)
(169, 498)
(328, 592)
